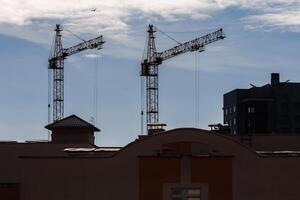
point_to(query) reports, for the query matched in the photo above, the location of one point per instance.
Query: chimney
(275, 80)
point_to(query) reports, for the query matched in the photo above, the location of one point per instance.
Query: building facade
(178, 164)
(273, 108)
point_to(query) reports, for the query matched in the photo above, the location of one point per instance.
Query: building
(185, 163)
(270, 109)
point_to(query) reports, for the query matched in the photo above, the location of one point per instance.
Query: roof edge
(89, 125)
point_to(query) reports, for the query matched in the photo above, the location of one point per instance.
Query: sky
(262, 36)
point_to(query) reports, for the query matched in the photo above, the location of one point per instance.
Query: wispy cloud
(284, 21)
(92, 55)
(273, 15)
(95, 16)
(33, 19)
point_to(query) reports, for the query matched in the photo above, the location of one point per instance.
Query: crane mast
(149, 69)
(56, 63)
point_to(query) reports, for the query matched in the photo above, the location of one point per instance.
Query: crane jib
(90, 44)
(192, 45)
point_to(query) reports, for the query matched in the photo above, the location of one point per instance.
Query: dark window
(297, 118)
(297, 106)
(284, 106)
(297, 130)
(284, 119)
(251, 109)
(249, 123)
(285, 129)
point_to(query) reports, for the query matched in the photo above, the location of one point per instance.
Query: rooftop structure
(270, 109)
(72, 129)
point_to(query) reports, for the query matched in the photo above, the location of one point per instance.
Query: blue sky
(262, 37)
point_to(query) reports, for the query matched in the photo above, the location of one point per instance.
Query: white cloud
(285, 21)
(110, 14)
(92, 55)
(34, 19)
(110, 17)
(273, 15)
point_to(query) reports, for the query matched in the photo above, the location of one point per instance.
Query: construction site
(253, 154)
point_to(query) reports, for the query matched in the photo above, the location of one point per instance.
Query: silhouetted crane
(149, 69)
(56, 62)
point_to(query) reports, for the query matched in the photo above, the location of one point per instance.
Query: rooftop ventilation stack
(275, 79)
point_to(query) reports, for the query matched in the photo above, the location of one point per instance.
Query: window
(186, 194)
(234, 121)
(297, 130)
(284, 119)
(251, 109)
(297, 106)
(284, 106)
(226, 111)
(297, 119)
(285, 129)
(234, 109)
(249, 123)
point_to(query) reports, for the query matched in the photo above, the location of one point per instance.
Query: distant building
(179, 164)
(270, 109)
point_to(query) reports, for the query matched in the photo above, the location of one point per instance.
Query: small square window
(251, 109)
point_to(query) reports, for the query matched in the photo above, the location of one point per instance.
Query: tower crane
(56, 63)
(149, 69)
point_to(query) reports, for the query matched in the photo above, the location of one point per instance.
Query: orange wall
(217, 172)
(153, 172)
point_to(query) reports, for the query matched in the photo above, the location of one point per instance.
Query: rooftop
(71, 121)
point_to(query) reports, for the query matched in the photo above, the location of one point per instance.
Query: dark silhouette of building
(185, 163)
(270, 109)
(72, 129)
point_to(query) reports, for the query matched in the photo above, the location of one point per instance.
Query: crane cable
(197, 87)
(169, 36)
(95, 92)
(142, 104)
(77, 36)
